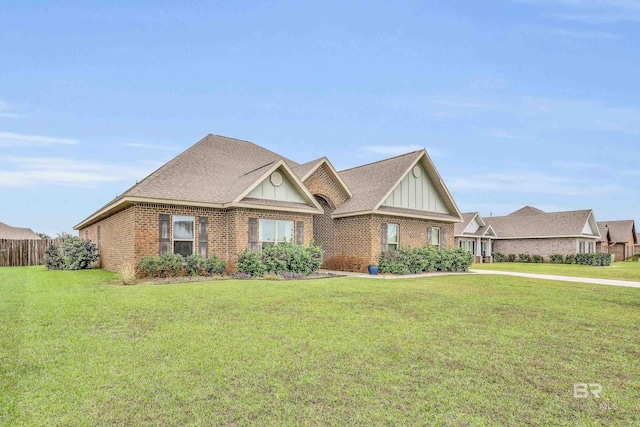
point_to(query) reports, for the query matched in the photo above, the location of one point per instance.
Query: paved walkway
(609, 282)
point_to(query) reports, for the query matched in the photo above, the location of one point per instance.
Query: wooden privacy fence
(18, 253)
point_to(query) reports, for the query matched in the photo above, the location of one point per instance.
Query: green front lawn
(617, 270)
(452, 350)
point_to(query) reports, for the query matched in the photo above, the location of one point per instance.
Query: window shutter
(384, 237)
(165, 238)
(300, 233)
(429, 234)
(203, 236)
(253, 233)
(443, 238)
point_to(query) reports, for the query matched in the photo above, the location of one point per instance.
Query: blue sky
(518, 102)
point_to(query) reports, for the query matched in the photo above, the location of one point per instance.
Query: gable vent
(276, 179)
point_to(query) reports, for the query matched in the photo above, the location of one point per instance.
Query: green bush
(557, 259)
(570, 259)
(394, 262)
(498, 257)
(279, 259)
(511, 258)
(168, 265)
(148, 266)
(73, 254)
(250, 262)
(420, 260)
(196, 265)
(215, 266)
(524, 258)
(597, 260)
(538, 259)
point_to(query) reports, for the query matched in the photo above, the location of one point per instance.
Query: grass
(453, 350)
(617, 271)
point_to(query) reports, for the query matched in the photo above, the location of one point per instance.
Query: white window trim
(275, 231)
(193, 229)
(397, 242)
(433, 229)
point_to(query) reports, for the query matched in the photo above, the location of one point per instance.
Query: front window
(392, 237)
(435, 237)
(273, 232)
(183, 235)
(592, 247)
(581, 247)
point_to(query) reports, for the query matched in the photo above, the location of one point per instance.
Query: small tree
(73, 254)
(44, 236)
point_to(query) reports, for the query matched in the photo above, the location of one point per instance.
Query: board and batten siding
(284, 192)
(416, 193)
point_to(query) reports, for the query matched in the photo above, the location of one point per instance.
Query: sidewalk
(608, 282)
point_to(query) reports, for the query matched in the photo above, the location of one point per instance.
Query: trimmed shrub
(196, 265)
(394, 262)
(538, 259)
(570, 259)
(524, 258)
(215, 266)
(498, 257)
(250, 262)
(168, 265)
(73, 254)
(557, 259)
(511, 258)
(279, 259)
(597, 260)
(426, 259)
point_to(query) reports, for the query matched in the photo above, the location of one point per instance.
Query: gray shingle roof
(604, 233)
(527, 210)
(551, 224)
(466, 219)
(303, 169)
(16, 233)
(216, 169)
(620, 231)
(371, 183)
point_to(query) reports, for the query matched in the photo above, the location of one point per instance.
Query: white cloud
(529, 182)
(148, 146)
(11, 139)
(45, 171)
(5, 111)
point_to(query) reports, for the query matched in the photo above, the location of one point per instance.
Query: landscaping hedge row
(419, 260)
(175, 265)
(280, 259)
(581, 259)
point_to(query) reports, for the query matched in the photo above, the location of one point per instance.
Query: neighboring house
(623, 238)
(15, 233)
(532, 231)
(637, 246)
(602, 245)
(223, 195)
(475, 236)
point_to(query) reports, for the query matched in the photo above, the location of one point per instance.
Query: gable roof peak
(384, 160)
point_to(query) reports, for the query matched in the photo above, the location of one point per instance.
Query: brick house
(474, 235)
(603, 243)
(623, 238)
(223, 195)
(532, 231)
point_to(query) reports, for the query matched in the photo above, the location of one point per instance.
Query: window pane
(267, 230)
(285, 231)
(392, 247)
(183, 227)
(435, 236)
(183, 248)
(392, 233)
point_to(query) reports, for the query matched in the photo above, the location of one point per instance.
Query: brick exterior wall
(117, 239)
(134, 232)
(321, 183)
(543, 247)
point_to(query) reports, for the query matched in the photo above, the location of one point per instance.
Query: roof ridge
(380, 161)
(263, 166)
(249, 142)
